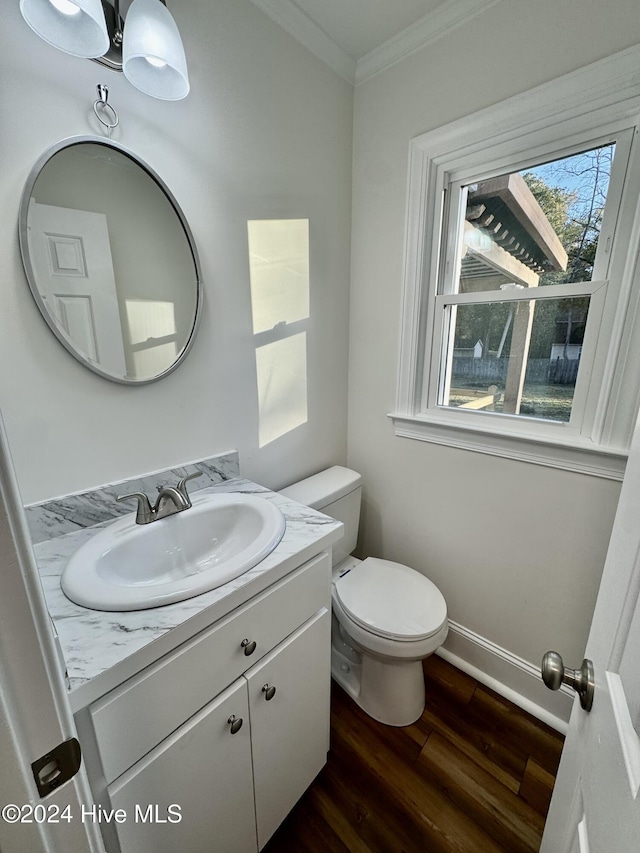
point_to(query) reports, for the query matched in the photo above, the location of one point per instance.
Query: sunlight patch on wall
(279, 271)
(279, 278)
(282, 387)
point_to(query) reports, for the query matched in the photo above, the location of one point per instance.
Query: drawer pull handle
(235, 724)
(249, 647)
(269, 692)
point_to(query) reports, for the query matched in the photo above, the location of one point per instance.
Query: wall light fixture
(148, 49)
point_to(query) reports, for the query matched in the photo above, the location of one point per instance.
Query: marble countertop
(101, 649)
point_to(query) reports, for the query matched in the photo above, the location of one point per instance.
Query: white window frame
(593, 105)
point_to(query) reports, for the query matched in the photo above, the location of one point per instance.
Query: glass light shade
(153, 57)
(80, 32)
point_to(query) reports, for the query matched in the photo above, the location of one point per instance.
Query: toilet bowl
(387, 617)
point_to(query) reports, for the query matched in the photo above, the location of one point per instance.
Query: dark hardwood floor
(473, 775)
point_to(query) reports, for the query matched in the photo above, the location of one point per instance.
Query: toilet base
(391, 693)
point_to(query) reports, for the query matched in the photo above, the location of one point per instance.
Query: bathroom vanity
(202, 722)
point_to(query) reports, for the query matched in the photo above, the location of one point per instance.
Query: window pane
(518, 358)
(538, 226)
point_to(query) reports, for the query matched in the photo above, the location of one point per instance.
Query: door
(289, 693)
(34, 710)
(193, 792)
(73, 267)
(596, 803)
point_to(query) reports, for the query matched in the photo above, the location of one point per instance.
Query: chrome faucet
(171, 499)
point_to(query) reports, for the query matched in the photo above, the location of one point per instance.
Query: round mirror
(110, 260)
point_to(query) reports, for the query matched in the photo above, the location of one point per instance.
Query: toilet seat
(391, 600)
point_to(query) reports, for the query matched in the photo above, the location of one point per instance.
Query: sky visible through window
(528, 229)
(572, 193)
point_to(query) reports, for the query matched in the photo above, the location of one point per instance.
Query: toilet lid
(391, 600)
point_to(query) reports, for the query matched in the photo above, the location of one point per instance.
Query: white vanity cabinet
(170, 737)
(204, 770)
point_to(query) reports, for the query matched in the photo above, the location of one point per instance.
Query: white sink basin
(129, 566)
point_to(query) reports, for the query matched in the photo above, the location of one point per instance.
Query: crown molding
(299, 25)
(430, 28)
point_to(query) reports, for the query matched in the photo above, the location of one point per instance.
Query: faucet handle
(182, 485)
(144, 513)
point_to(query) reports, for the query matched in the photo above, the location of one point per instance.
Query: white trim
(567, 456)
(612, 82)
(626, 730)
(299, 25)
(529, 294)
(511, 676)
(428, 29)
(433, 26)
(596, 101)
(35, 699)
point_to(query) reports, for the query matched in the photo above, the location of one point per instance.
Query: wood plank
(498, 811)
(436, 824)
(447, 680)
(517, 730)
(513, 191)
(510, 777)
(371, 819)
(406, 741)
(307, 831)
(334, 797)
(481, 734)
(482, 402)
(460, 780)
(475, 212)
(537, 787)
(498, 258)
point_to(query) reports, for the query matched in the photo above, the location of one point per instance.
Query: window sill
(568, 454)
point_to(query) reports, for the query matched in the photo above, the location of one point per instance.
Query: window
(520, 300)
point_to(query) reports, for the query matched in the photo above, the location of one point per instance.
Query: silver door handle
(581, 680)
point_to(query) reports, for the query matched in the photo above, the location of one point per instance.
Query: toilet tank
(335, 492)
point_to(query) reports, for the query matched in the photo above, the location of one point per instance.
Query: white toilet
(386, 616)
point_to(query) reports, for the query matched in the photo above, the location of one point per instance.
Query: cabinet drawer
(131, 720)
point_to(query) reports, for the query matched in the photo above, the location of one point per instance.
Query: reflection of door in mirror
(110, 260)
(71, 253)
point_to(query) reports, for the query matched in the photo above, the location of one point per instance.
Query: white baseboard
(509, 675)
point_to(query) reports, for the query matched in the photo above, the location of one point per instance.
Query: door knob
(581, 680)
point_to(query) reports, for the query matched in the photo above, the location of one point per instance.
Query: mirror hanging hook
(103, 109)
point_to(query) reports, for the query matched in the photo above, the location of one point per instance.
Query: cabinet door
(289, 727)
(203, 769)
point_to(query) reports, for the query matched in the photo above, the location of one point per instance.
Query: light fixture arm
(116, 38)
(115, 27)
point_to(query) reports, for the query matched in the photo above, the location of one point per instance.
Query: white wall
(517, 549)
(264, 133)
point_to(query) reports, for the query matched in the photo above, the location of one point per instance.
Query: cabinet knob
(249, 647)
(235, 724)
(269, 692)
